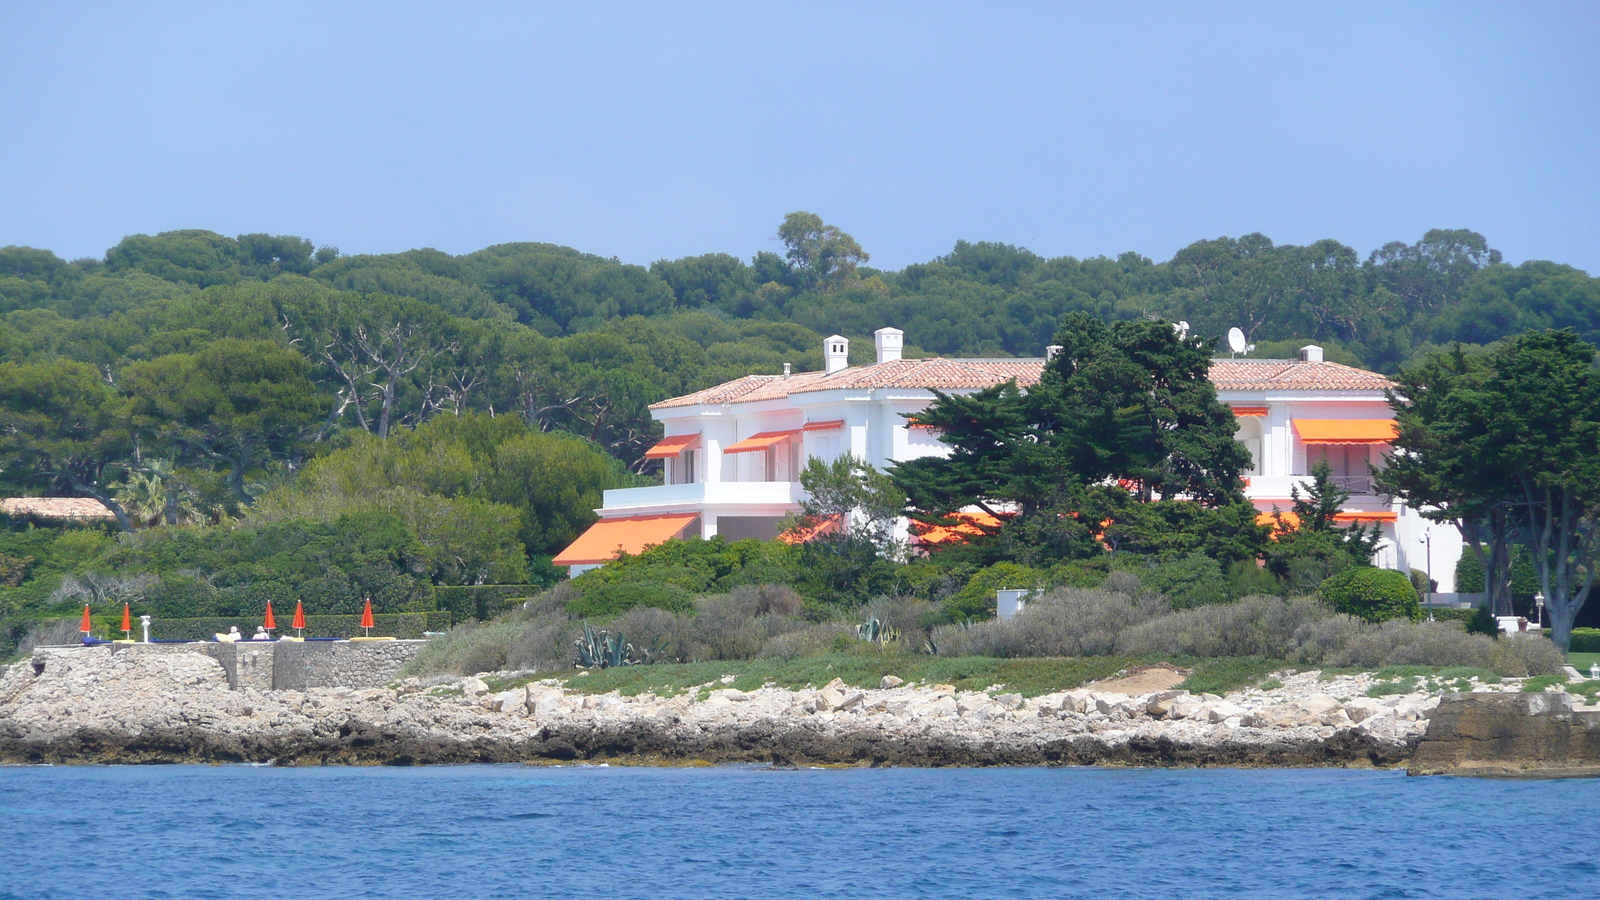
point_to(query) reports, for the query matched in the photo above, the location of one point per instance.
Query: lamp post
(1538, 605)
(145, 622)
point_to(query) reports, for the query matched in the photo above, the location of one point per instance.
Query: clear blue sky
(645, 132)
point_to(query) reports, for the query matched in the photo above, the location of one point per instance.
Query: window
(1347, 462)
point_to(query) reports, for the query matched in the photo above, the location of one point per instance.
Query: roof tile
(937, 373)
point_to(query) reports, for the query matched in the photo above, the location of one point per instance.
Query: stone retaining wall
(292, 665)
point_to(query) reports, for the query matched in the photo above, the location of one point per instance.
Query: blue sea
(749, 831)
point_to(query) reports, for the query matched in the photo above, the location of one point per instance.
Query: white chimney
(1052, 351)
(889, 342)
(1311, 353)
(835, 353)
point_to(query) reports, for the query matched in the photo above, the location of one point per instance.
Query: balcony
(724, 494)
(1277, 487)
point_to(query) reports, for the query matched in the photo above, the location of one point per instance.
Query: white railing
(717, 493)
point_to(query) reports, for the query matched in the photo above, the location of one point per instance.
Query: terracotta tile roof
(78, 508)
(972, 374)
(1292, 375)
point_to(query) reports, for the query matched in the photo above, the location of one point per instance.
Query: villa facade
(733, 453)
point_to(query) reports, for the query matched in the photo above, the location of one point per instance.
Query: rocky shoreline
(78, 706)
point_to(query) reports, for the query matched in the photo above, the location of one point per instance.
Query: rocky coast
(80, 705)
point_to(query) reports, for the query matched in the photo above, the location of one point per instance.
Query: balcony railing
(1355, 484)
(718, 493)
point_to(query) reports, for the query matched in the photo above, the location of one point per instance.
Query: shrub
(610, 599)
(481, 601)
(1399, 642)
(1518, 655)
(467, 650)
(1375, 595)
(1254, 626)
(976, 599)
(1064, 622)
(1193, 580)
(808, 641)
(1585, 640)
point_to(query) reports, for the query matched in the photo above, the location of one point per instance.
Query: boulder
(1117, 704)
(1184, 707)
(1160, 703)
(542, 700)
(829, 698)
(1360, 708)
(1220, 712)
(732, 695)
(473, 686)
(890, 681)
(505, 701)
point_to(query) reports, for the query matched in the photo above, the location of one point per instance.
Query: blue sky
(645, 132)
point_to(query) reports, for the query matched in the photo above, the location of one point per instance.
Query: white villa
(733, 453)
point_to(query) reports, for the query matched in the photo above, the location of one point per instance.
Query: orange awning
(608, 538)
(1365, 515)
(672, 445)
(801, 534)
(761, 441)
(829, 425)
(968, 525)
(1249, 410)
(1349, 515)
(1345, 431)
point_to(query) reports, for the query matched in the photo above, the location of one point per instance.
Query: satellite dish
(1236, 340)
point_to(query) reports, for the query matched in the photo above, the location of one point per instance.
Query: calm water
(512, 831)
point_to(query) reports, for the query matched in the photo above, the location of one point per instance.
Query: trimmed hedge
(1585, 640)
(399, 625)
(1447, 614)
(1373, 594)
(480, 601)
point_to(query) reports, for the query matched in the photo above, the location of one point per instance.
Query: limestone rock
(888, 682)
(473, 686)
(542, 700)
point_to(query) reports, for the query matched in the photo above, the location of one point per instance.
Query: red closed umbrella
(269, 623)
(299, 622)
(366, 617)
(127, 620)
(87, 625)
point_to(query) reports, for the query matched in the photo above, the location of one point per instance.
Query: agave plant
(602, 649)
(873, 631)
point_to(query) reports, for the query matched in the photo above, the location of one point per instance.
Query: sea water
(749, 831)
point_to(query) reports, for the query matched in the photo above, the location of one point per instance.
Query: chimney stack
(835, 354)
(1311, 353)
(889, 342)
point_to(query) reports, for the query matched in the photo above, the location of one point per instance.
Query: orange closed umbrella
(127, 620)
(269, 623)
(87, 625)
(299, 623)
(366, 617)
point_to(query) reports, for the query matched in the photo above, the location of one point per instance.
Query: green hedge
(1585, 640)
(1372, 594)
(399, 625)
(1448, 614)
(481, 601)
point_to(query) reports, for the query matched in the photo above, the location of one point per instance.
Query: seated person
(261, 634)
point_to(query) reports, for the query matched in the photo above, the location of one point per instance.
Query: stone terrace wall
(294, 666)
(354, 664)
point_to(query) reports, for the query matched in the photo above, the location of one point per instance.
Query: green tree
(821, 255)
(63, 429)
(1127, 403)
(237, 403)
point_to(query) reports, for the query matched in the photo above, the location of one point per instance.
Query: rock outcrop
(77, 706)
(1540, 735)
